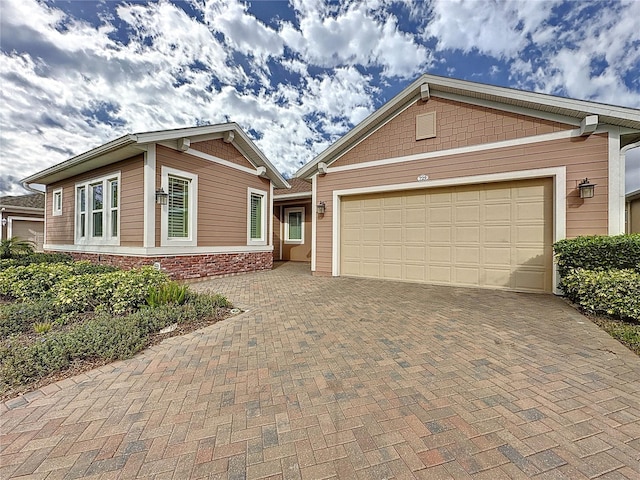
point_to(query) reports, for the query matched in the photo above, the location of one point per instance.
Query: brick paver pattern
(346, 378)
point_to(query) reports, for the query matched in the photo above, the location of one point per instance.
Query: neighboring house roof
(134, 144)
(33, 201)
(564, 110)
(631, 196)
(299, 189)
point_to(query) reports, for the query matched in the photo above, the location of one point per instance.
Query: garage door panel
(493, 235)
(439, 273)
(497, 212)
(415, 234)
(497, 277)
(497, 234)
(414, 215)
(392, 252)
(439, 215)
(467, 275)
(415, 253)
(530, 211)
(530, 280)
(392, 271)
(497, 256)
(467, 213)
(468, 255)
(468, 235)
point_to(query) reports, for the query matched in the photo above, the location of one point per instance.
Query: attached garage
(497, 235)
(27, 229)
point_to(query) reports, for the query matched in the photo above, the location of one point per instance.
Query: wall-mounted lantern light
(320, 208)
(587, 189)
(4, 222)
(161, 197)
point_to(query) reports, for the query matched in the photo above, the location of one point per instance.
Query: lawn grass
(626, 332)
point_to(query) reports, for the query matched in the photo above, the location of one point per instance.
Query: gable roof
(299, 188)
(541, 105)
(32, 200)
(136, 143)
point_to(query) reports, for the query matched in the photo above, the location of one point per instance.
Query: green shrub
(33, 281)
(15, 247)
(35, 258)
(168, 293)
(17, 318)
(42, 327)
(610, 292)
(115, 292)
(598, 253)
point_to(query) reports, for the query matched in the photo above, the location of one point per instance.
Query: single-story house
(22, 216)
(633, 212)
(459, 183)
(194, 202)
(292, 222)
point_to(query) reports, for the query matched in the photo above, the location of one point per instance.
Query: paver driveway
(347, 378)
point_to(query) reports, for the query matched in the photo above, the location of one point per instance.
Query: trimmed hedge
(611, 292)
(23, 260)
(598, 253)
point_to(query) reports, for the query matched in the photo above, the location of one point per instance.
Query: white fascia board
(505, 107)
(623, 113)
(292, 196)
(16, 208)
(176, 251)
(149, 197)
(83, 157)
(164, 135)
(616, 185)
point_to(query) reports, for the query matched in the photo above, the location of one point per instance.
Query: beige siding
(277, 232)
(59, 229)
(222, 197)
(457, 125)
(299, 252)
(633, 216)
(218, 148)
(583, 157)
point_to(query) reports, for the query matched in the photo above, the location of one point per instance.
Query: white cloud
(354, 35)
(499, 29)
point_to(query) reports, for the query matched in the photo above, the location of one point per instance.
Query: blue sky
(296, 75)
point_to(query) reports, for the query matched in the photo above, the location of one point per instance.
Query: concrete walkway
(346, 378)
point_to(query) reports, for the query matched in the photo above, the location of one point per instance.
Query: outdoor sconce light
(320, 208)
(161, 197)
(586, 188)
(4, 222)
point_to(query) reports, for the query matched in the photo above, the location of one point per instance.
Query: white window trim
(192, 239)
(56, 212)
(263, 207)
(88, 239)
(287, 211)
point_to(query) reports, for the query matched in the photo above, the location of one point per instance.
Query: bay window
(97, 218)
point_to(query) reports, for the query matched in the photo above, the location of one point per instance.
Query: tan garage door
(495, 235)
(29, 230)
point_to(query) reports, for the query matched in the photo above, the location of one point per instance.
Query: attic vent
(426, 125)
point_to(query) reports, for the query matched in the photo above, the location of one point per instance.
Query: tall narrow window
(82, 212)
(97, 209)
(57, 202)
(256, 216)
(113, 188)
(178, 203)
(179, 217)
(294, 225)
(257, 219)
